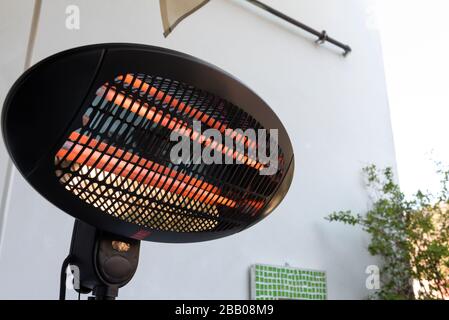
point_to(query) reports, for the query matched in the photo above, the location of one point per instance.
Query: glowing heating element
(115, 197)
(176, 125)
(133, 171)
(124, 184)
(134, 174)
(128, 177)
(136, 83)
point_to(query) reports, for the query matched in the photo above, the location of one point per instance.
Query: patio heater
(91, 130)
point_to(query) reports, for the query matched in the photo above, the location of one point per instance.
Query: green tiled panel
(272, 282)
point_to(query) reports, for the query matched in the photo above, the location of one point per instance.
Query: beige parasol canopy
(174, 11)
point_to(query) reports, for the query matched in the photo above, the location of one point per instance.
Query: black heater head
(90, 128)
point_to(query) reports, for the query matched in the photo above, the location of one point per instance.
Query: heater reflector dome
(98, 131)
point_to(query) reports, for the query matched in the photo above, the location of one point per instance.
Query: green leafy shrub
(410, 235)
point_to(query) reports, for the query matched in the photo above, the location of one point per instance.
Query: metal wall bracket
(323, 37)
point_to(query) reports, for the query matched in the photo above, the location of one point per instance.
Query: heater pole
(104, 293)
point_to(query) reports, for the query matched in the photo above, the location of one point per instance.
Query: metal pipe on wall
(322, 36)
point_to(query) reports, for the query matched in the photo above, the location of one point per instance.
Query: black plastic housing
(49, 99)
(103, 269)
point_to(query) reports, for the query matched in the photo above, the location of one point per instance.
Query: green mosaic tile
(273, 282)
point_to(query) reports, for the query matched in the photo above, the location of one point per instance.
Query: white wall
(334, 109)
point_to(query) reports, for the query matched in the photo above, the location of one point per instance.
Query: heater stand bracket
(100, 262)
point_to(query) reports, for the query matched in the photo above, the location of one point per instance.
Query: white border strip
(10, 170)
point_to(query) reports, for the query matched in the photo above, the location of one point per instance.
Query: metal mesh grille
(119, 160)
